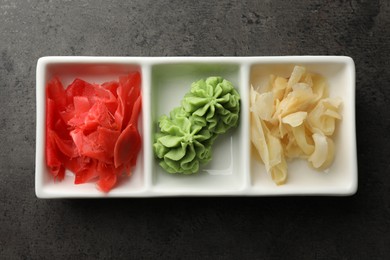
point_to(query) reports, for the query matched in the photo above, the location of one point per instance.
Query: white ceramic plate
(233, 171)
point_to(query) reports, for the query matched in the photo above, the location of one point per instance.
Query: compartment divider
(147, 129)
(245, 137)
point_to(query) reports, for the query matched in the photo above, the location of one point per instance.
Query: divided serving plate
(234, 170)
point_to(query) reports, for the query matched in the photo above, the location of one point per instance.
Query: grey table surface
(356, 227)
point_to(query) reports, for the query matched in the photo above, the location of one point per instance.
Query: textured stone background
(356, 227)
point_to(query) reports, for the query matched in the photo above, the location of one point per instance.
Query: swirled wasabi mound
(184, 142)
(214, 103)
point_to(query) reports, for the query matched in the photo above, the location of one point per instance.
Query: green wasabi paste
(184, 142)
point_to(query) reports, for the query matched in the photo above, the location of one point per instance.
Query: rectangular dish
(233, 171)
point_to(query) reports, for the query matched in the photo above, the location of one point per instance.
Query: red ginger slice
(128, 91)
(129, 141)
(79, 88)
(107, 176)
(52, 155)
(112, 86)
(55, 91)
